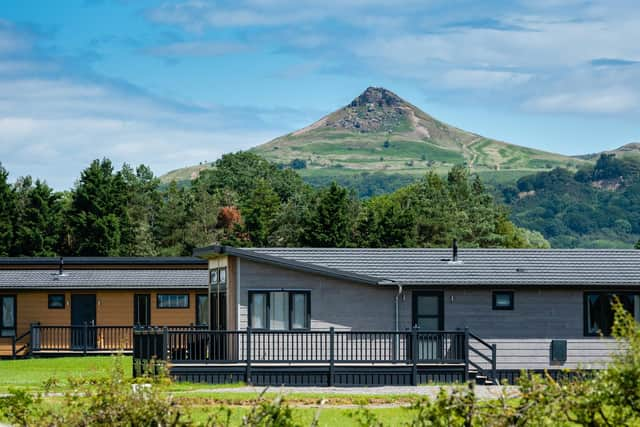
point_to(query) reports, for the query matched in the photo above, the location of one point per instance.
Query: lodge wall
(113, 308)
(522, 336)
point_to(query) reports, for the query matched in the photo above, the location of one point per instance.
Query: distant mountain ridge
(630, 149)
(378, 131)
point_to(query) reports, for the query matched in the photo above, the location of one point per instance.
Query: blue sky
(173, 83)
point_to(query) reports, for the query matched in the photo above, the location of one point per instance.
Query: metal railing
(327, 347)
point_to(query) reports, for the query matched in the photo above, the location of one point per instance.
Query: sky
(178, 82)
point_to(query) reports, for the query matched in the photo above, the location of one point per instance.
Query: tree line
(596, 206)
(243, 200)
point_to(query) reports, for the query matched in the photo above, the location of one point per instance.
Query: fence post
(332, 356)
(248, 367)
(85, 336)
(165, 344)
(466, 353)
(494, 351)
(13, 346)
(414, 356)
(31, 339)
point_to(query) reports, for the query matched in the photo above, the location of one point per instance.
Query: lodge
(54, 306)
(329, 316)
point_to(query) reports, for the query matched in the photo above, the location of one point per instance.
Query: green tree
(170, 226)
(99, 218)
(638, 245)
(7, 209)
(240, 173)
(202, 225)
(260, 211)
(143, 201)
(331, 220)
(38, 219)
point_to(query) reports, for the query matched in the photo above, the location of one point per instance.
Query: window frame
(290, 296)
(64, 301)
(198, 296)
(585, 305)
(15, 316)
(512, 299)
(173, 308)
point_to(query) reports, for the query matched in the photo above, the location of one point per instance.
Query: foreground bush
(111, 400)
(609, 397)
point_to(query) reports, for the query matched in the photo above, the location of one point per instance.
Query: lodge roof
(104, 273)
(488, 267)
(47, 262)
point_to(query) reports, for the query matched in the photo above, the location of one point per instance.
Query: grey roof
(104, 279)
(497, 267)
(68, 261)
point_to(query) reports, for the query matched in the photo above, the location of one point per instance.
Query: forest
(244, 201)
(596, 207)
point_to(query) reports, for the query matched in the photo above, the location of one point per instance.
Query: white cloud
(610, 100)
(196, 48)
(53, 122)
(483, 79)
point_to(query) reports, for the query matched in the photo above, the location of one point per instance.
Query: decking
(312, 358)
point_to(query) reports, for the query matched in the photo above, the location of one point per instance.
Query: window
(598, 312)
(202, 309)
(218, 275)
(279, 310)
(503, 300)
(56, 301)
(8, 316)
(173, 301)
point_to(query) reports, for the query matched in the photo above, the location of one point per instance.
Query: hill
(381, 132)
(595, 207)
(628, 150)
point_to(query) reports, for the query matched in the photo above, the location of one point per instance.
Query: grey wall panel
(523, 335)
(337, 303)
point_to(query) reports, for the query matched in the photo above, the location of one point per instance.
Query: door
(428, 316)
(142, 310)
(218, 322)
(83, 312)
(428, 311)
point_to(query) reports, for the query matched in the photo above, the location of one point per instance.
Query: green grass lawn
(32, 373)
(343, 417)
(201, 401)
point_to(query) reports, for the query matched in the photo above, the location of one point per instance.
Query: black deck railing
(326, 347)
(78, 339)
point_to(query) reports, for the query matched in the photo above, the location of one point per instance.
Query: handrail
(15, 340)
(492, 359)
(488, 359)
(480, 340)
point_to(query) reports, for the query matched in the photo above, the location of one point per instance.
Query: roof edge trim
(287, 263)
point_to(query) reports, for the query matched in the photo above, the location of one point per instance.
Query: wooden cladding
(113, 308)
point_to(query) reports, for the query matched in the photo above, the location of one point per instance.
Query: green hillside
(596, 207)
(381, 132)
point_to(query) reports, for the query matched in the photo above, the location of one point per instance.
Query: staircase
(20, 346)
(480, 360)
